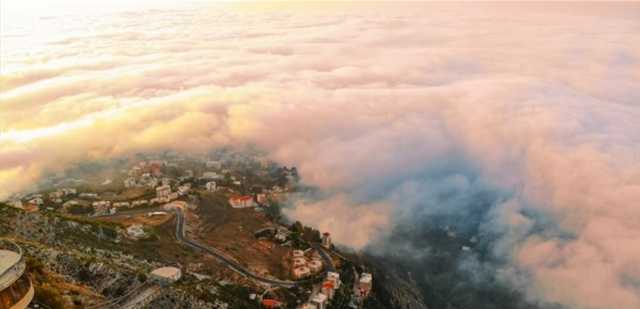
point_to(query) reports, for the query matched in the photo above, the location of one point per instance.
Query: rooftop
(8, 259)
(319, 298)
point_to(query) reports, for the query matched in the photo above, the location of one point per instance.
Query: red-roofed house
(244, 201)
(328, 289)
(271, 303)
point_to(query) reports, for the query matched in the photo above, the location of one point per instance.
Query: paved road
(219, 255)
(233, 265)
(328, 261)
(130, 212)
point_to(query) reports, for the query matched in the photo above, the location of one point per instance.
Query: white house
(211, 186)
(211, 176)
(365, 283)
(136, 231)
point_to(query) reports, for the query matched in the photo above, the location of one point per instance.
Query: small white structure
(211, 186)
(365, 284)
(136, 231)
(326, 240)
(17, 204)
(156, 213)
(211, 176)
(36, 201)
(166, 275)
(88, 195)
(320, 300)
(281, 235)
(214, 164)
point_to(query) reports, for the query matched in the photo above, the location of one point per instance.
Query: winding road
(221, 257)
(180, 236)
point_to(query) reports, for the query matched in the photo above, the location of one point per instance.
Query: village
(146, 194)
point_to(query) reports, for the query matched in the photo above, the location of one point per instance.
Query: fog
(523, 121)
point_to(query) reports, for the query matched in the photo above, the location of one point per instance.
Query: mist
(516, 125)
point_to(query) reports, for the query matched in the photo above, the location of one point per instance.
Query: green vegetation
(50, 296)
(79, 210)
(302, 236)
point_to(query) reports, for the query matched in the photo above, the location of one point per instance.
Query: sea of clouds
(385, 108)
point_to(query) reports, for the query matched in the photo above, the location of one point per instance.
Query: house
(301, 272)
(166, 275)
(139, 203)
(17, 204)
(211, 186)
(163, 191)
(89, 195)
(69, 191)
(326, 240)
(299, 262)
(315, 266)
(214, 164)
(328, 288)
(281, 235)
(365, 284)
(55, 195)
(135, 231)
(320, 300)
(271, 303)
(335, 278)
(36, 201)
(212, 176)
(244, 201)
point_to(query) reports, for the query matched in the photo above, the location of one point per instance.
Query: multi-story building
(16, 290)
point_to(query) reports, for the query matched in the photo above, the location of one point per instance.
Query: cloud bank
(395, 112)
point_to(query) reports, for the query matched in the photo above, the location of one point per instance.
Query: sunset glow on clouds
(384, 109)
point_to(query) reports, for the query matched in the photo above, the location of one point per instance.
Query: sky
(384, 107)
